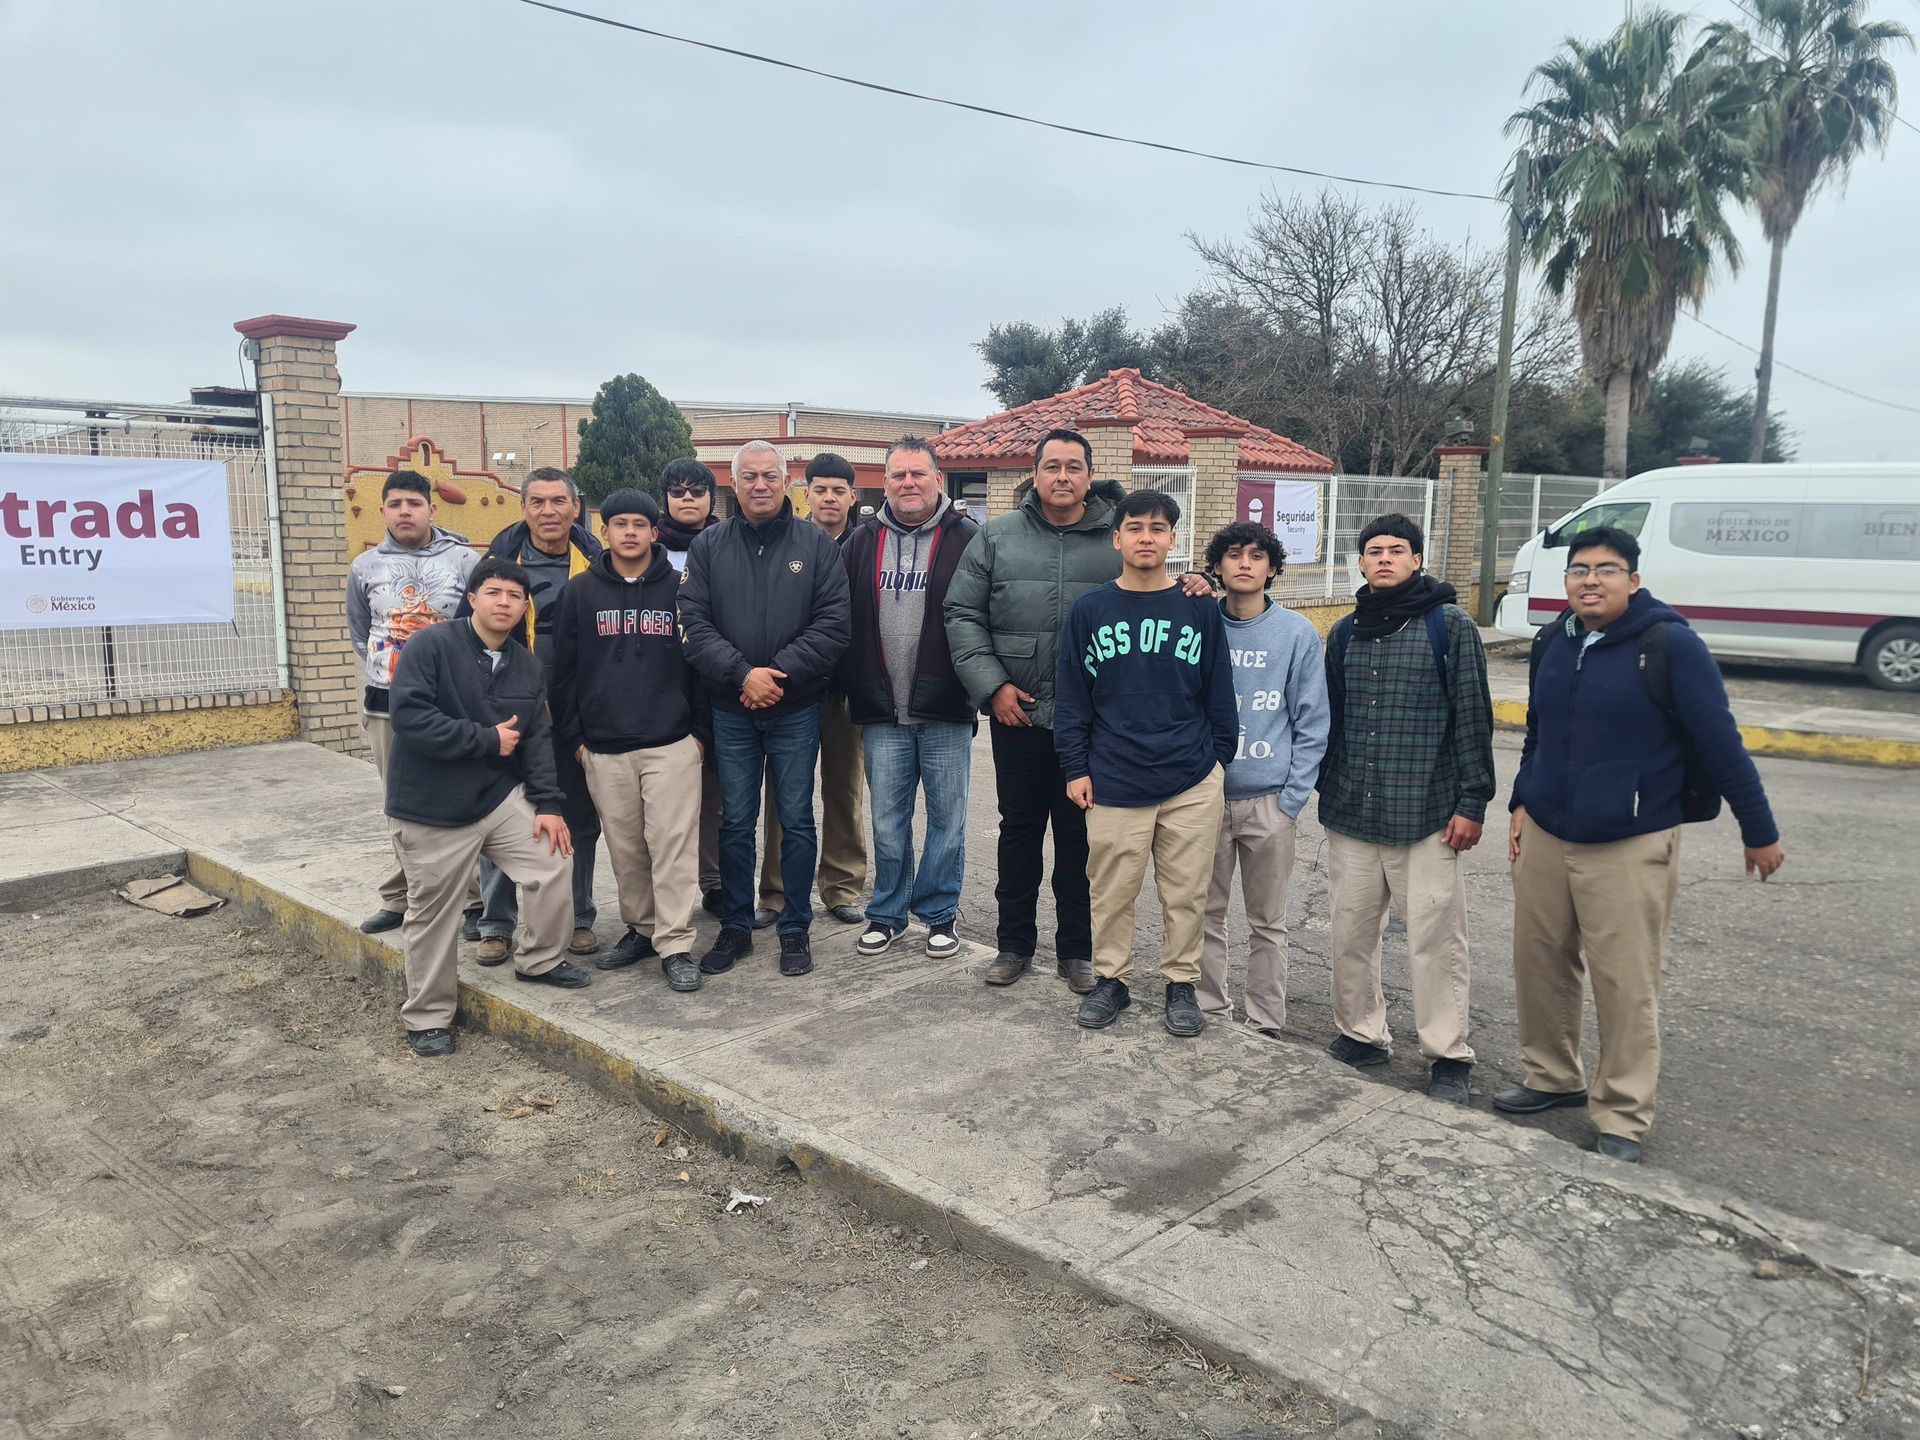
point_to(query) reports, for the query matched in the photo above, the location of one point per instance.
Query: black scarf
(1378, 613)
(676, 536)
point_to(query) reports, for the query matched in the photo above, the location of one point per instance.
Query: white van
(1783, 562)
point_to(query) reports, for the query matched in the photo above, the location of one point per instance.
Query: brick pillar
(1214, 453)
(296, 367)
(1453, 544)
(1003, 491)
(1112, 441)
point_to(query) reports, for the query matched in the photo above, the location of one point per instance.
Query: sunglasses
(681, 492)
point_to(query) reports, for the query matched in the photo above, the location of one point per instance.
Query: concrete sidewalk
(1439, 1271)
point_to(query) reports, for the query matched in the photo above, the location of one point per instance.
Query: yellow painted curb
(47, 744)
(1793, 744)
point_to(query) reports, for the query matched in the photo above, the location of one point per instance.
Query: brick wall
(297, 369)
(1453, 549)
(1214, 454)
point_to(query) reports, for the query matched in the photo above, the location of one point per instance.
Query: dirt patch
(236, 1206)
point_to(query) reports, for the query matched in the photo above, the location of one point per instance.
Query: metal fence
(137, 662)
(1529, 503)
(1347, 503)
(1177, 481)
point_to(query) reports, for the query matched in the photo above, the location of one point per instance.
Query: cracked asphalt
(1787, 1077)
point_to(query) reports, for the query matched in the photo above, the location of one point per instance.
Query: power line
(1782, 365)
(1004, 114)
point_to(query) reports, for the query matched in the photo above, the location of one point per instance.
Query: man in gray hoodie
(415, 577)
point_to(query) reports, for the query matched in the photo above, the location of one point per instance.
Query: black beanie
(630, 502)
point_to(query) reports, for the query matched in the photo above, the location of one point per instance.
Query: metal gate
(87, 664)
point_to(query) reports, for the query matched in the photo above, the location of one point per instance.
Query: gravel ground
(236, 1206)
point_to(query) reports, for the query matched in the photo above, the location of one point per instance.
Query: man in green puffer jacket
(1005, 609)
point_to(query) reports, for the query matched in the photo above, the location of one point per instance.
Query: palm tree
(1636, 150)
(1829, 94)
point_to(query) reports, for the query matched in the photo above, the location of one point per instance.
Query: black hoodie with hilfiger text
(620, 679)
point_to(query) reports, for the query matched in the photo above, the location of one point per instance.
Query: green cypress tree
(633, 432)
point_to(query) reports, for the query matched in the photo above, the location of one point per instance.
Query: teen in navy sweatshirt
(1144, 721)
(1595, 839)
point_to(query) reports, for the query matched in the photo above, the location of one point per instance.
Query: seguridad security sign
(93, 540)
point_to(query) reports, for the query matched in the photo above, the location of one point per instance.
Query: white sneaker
(942, 943)
(877, 941)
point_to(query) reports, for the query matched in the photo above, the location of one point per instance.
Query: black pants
(1031, 790)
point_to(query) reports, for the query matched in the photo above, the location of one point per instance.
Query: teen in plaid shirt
(1403, 794)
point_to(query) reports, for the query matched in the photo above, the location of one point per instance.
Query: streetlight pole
(530, 434)
(1502, 387)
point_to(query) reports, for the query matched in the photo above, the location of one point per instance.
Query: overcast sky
(511, 202)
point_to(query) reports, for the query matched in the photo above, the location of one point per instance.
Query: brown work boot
(1078, 974)
(1007, 968)
(584, 942)
(493, 950)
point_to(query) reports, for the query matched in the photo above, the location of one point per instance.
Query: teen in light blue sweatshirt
(1280, 684)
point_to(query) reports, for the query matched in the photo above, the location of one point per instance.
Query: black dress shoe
(1103, 1006)
(470, 925)
(430, 1044)
(381, 921)
(682, 974)
(796, 953)
(632, 949)
(731, 945)
(567, 975)
(1448, 1081)
(1522, 1100)
(1183, 1017)
(848, 914)
(1357, 1053)
(1618, 1147)
(763, 917)
(1078, 973)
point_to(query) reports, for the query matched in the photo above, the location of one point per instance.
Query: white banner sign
(89, 540)
(1289, 508)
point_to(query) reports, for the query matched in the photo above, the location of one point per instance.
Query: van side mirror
(1551, 539)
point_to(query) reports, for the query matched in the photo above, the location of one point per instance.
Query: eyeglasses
(681, 492)
(1604, 572)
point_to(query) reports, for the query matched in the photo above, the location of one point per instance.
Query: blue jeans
(936, 755)
(746, 748)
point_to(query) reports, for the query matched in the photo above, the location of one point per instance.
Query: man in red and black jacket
(900, 683)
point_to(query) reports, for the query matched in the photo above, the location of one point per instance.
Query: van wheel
(1892, 661)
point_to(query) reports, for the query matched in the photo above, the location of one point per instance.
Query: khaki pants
(649, 804)
(842, 871)
(437, 859)
(378, 733)
(1259, 835)
(1181, 835)
(1426, 882)
(1599, 911)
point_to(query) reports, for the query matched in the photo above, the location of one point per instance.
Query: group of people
(661, 683)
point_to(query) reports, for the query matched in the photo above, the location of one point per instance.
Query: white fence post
(276, 554)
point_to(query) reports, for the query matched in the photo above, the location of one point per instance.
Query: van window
(1811, 532)
(1627, 515)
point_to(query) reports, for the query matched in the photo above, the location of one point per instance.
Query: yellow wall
(49, 743)
(473, 503)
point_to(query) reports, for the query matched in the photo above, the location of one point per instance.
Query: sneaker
(877, 941)
(1103, 1006)
(1448, 1081)
(763, 917)
(1357, 1053)
(632, 948)
(682, 974)
(796, 953)
(584, 941)
(713, 901)
(942, 943)
(1182, 1016)
(729, 947)
(566, 975)
(378, 923)
(430, 1044)
(493, 950)
(470, 925)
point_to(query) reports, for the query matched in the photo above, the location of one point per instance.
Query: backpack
(1699, 800)
(1436, 637)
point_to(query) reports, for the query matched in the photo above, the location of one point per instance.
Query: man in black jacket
(471, 775)
(901, 686)
(631, 711)
(764, 612)
(552, 546)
